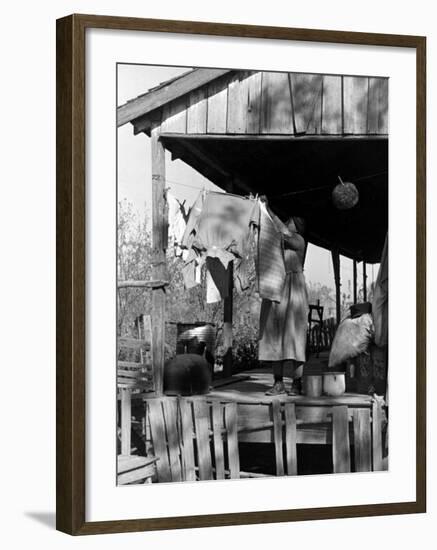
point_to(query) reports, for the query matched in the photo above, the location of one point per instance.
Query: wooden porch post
(159, 267)
(336, 264)
(228, 305)
(364, 282)
(355, 281)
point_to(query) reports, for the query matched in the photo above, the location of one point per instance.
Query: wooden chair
(134, 375)
(193, 438)
(135, 469)
(315, 327)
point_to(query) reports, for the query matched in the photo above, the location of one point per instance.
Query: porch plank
(187, 449)
(232, 439)
(125, 420)
(290, 438)
(362, 440)
(217, 424)
(377, 435)
(170, 414)
(277, 431)
(157, 430)
(340, 440)
(202, 438)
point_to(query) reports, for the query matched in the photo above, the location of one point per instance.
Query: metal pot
(334, 383)
(312, 385)
(196, 338)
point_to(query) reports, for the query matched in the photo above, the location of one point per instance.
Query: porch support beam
(355, 283)
(228, 306)
(364, 282)
(336, 265)
(159, 267)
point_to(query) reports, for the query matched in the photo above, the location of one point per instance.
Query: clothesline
(187, 185)
(327, 186)
(362, 178)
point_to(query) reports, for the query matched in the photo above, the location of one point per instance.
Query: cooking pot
(334, 383)
(312, 385)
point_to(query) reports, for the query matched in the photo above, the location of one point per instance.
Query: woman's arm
(294, 241)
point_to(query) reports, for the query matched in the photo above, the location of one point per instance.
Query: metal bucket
(312, 385)
(334, 383)
(196, 338)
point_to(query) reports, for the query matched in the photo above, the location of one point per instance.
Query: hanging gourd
(345, 195)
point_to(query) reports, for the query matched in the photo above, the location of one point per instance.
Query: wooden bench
(135, 469)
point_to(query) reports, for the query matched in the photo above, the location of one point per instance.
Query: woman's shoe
(278, 388)
(296, 387)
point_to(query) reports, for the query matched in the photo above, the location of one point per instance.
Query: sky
(134, 174)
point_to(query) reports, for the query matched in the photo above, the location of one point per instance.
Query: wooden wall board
(306, 96)
(355, 104)
(377, 122)
(276, 104)
(197, 111)
(217, 106)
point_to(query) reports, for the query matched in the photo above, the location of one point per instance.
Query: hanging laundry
(219, 228)
(219, 274)
(270, 265)
(380, 300)
(212, 292)
(177, 222)
(192, 269)
(219, 224)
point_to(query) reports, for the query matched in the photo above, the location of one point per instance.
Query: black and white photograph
(252, 274)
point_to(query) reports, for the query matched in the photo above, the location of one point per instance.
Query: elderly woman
(283, 325)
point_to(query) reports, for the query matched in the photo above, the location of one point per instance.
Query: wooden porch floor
(250, 387)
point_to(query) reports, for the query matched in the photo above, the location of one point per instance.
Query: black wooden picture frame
(71, 248)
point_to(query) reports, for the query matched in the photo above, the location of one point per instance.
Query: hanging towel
(270, 257)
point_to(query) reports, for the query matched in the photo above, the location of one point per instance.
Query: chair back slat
(232, 439)
(173, 439)
(277, 437)
(217, 426)
(362, 440)
(202, 439)
(340, 439)
(187, 445)
(159, 438)
(290, 438)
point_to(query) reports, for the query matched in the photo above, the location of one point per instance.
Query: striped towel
(270, 261)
